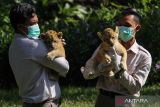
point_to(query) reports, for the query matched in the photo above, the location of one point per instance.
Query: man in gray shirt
(27, 57)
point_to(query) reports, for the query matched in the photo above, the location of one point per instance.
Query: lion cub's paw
(107, 59)
(50, 56)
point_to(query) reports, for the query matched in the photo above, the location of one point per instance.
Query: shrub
(6, 75)
(80, 23)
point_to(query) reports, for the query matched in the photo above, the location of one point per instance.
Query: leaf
(44, 2)
(6, 19)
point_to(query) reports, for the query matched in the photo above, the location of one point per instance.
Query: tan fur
(109, 41)
(53, 41)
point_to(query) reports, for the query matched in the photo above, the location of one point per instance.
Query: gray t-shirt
(30, 66)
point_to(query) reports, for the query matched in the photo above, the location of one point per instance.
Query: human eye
(127, 24)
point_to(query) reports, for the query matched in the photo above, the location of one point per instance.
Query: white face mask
(33, 31)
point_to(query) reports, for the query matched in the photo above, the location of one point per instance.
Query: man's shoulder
(144, 51)
(20, 39)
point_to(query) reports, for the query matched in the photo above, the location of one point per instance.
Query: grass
(72, 96)
(78, 97)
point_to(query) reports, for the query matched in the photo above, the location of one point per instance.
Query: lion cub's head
(109, 36)
(51, 36)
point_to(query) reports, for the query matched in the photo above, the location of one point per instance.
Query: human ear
(100, 35)
(22, 29)
(138, 28)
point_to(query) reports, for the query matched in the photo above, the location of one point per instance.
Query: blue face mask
(125, 33)
(33, 31)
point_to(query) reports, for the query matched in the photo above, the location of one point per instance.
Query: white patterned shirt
(138, 67)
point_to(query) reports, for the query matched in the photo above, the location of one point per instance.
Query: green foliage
(151, 90)
(6, 31)
(149, 38)
(80, 24)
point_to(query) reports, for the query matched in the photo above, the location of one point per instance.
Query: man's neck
(128, 44)
(21, 32)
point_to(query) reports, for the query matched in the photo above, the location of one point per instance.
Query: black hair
(20, 14)
(131, 11)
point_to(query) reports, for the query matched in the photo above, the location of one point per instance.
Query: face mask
(33, 31)
(125, 33)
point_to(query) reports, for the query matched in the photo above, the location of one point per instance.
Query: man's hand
(120, 72)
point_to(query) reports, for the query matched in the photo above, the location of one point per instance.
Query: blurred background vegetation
(79, 20)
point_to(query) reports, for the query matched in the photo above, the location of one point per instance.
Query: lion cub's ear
(100, 35)
(60, 34)
(116, 29)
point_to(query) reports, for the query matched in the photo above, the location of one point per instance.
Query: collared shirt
(138, 67)
(30, 66)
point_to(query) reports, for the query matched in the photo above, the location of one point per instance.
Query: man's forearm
(134, 82)
(61, 66)
(130, 83)
(90, 70)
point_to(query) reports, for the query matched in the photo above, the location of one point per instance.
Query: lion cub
(106, 56)
(53, 41)
(108, 49)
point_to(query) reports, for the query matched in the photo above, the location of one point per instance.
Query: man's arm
(60, 64)
(91, 67)
(134, 82)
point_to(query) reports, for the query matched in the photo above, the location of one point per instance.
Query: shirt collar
(134, 48)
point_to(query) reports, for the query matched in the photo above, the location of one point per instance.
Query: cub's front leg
(55, 53)
(122, 51)
(107, 58)
(51, 55)
(123, 63)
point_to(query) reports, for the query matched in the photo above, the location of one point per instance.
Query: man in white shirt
(138, 64)
(27, 57)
